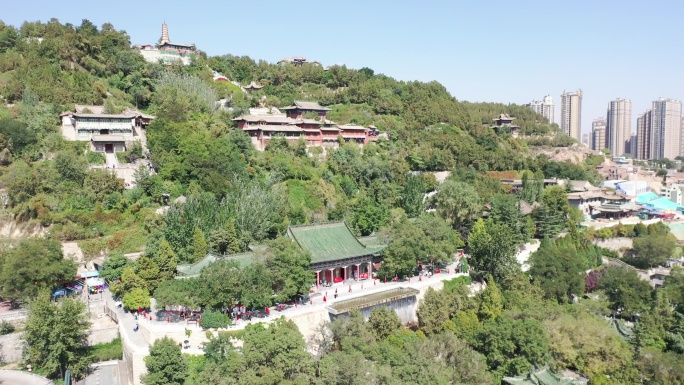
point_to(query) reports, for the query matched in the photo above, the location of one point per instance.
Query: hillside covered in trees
(237, 197)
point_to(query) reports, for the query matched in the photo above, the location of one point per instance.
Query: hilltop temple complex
(165, 51)
(263, 124)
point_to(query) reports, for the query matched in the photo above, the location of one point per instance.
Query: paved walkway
(17, 377)
(107, 373)
(127, 321)
(325, 296)
(358, 289)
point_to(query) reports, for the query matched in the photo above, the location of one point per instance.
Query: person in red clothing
(268, 311)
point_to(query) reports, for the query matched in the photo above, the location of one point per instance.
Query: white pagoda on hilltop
(165, 51)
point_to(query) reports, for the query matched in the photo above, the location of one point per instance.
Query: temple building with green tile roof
(336, 254)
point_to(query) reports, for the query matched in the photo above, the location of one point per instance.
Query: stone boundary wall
(615, 243)
(134, 358)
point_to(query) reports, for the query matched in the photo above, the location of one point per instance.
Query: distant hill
(67, 64)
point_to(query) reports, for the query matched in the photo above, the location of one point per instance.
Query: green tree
(288, 267)
(55, 336)
(674, 287)
(225, 240)
(384, 322)
(458, 203)
(256, 291)
(492, 247)
(433, 312)
(653, 250)
(413, 195)
(148, 271)
(491, 301)
(129, 280)
(165, 364)
(625, 291)
(199, 246)
(559, 270)
(71, 167)
(505, 209)
(552, 213)
(214, 320)
(166, 260)
(114, 266)
(179, 292)
(137, 298)
(463, 364)
(441, 239)
(408, 244)
(33, 265)
(513, 346)
(276, 354)
(221, 284)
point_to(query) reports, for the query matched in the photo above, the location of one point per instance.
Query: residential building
(675, 193)
(106, 132)
(544, 107)
(633, 144)
(618, 126)
(644, 140)
(586, 139)
(598, 134)
(571, 114)
(666, 126)
(165, 51)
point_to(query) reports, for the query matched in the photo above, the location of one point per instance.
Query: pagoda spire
(165, 34)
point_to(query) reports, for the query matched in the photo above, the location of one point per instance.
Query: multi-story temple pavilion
(262, 126)
(336, 254)
(106, 132)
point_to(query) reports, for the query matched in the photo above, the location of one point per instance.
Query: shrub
(458, 281)
(107, 351)
(6, 328)
(214, 320)
(95, 157)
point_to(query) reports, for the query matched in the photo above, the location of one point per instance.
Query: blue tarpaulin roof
(663, 203)
(647, 197)
(90, 274)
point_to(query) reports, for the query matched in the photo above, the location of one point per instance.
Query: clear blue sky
(500, 51)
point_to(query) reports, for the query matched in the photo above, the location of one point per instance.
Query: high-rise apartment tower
(618, 126)
(544, 107)
(644, 141)
(571, 114)
(598, 134)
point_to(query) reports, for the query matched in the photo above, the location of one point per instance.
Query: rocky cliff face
(575, 153)
(10, 230)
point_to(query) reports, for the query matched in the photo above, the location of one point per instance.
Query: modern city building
(666, 126)
(571, 114)
(586, 139)
(633, 144)
(544, 107)
(598, 134)
(644, 140)
(618, 126)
